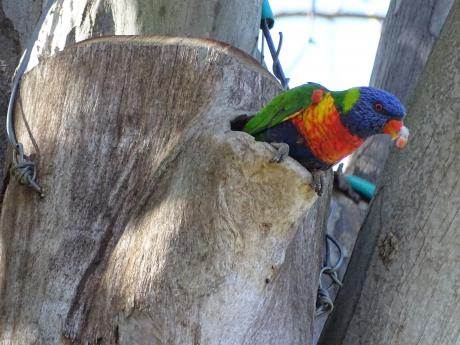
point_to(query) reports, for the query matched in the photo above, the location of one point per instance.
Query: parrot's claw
(282, 151)
(319, 180)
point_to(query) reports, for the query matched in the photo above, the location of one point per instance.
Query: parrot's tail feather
(237, 124)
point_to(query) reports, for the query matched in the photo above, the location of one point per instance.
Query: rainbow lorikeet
(318, 127)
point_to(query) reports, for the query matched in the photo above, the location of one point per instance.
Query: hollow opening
(237, 124)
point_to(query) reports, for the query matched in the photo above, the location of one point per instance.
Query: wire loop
(23, 169)
(277, 69)
(324, 302)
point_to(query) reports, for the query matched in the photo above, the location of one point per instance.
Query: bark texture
(9, 56)
(69, 21)
(402, 285)
(409, 32)
(160, 225)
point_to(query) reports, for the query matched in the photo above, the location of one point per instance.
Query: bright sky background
(343, 51)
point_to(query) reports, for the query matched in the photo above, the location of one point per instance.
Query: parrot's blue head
(374, 111)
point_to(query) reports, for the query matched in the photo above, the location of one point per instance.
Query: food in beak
(402, 138)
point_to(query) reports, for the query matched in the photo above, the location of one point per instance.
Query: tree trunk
(160, 225)
(9, 56)
(409, 32)
(402, 285)
(70, 21)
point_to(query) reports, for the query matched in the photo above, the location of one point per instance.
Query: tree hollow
(159, 225)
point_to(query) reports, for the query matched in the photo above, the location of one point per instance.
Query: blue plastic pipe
(267, 14)
(362, 186)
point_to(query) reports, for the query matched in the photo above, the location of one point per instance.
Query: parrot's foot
(319, 180)
(282, 151)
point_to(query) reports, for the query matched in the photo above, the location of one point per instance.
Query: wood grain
(160, 225)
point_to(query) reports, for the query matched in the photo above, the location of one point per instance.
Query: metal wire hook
(276, 57)
(277, 69)
(22, 168)
(339, 262)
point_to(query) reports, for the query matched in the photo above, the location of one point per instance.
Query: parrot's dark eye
(378, 107)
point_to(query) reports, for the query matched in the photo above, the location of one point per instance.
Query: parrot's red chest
(325, 135)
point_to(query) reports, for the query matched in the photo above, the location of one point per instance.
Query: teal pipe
(267, 14)
(362, 186)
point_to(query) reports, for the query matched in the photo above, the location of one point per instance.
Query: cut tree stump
(160, 225)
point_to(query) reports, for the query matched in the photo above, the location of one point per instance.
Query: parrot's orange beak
(398, 132)
(392, 128)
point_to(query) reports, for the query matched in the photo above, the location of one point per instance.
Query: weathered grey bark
(9, 56)
(140, 239)
(70, 21)
(402, 284)
(160, 225)
(409, 32)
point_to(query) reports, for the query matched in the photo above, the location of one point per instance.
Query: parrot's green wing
(281, 107)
